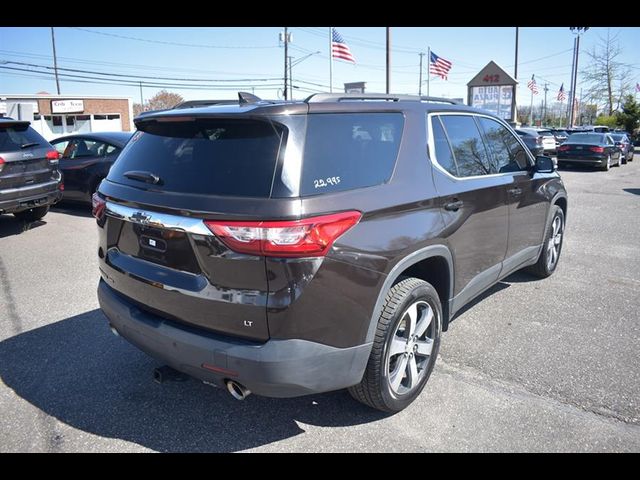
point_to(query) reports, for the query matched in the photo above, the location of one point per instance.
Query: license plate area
(169, 248)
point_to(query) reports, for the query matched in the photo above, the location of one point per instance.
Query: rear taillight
(98, 206)
(1, 163)
(52, 156)
(563, 148)
(309, 237)
(597, 149)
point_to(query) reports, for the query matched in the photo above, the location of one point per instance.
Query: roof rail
(203, 103)
(340, 97)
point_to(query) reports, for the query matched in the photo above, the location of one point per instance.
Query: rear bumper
(23, 198)
(597, 161)
(276, 368)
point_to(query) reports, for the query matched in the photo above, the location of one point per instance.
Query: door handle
(515, 191)
(453, 206)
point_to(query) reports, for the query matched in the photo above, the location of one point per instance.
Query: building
(57, 115)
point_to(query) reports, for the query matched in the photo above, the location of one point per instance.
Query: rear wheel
(405, 347)
(607, 166)
(32, 214)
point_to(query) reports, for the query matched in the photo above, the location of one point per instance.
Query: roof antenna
(246, 97)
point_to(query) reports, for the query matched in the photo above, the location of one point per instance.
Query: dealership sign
(493, 90)
(67, 106)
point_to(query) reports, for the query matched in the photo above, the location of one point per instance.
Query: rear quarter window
(348, 151)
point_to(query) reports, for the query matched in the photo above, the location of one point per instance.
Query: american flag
(562, 96)
(637, 87)
(532, 85)
(339, 48)
(439, 66)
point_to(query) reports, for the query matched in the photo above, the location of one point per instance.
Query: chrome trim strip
(156, 219)
(9, 191)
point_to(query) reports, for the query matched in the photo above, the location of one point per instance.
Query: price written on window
(491, 78)
(325, 182)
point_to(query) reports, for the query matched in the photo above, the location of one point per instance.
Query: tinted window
(444, 155)
(347, 151)
(508, 154)
(593, 138)
(205, 156)
(468, 148)
(13, 137)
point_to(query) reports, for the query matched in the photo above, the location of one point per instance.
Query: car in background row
(595, 149)
(29, 177)
(532, 140)
(560, 134)
(624, 142)
(542, 137)
(86, 159)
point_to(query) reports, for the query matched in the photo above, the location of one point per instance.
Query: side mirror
(544, 165)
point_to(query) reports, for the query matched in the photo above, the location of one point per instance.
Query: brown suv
(289, 248)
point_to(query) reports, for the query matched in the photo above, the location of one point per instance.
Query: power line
(163, 42)
(141, 76)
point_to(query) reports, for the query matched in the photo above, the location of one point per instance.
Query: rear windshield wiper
(147, 177)
(27, 145)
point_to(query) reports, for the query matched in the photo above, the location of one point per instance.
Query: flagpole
(330, 60)
(428, 67)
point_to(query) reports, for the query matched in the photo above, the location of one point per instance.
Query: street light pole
(574, 81)
(293, 64)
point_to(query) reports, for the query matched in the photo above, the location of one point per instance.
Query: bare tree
(160, 101)
(608, 78)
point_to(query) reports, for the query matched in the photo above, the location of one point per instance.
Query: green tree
(610, 121)
(629, 118)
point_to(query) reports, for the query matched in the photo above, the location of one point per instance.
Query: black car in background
(624, 142)
(595, 149)
(29, 178)
(86, 159)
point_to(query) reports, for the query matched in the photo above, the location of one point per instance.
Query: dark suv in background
(289, 248)
(29, 177)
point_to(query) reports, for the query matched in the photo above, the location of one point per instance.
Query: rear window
(16, 137)
(206, 156)
(593, 138)
(349, 151)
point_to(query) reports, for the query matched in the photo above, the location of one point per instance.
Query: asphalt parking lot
(534, 365)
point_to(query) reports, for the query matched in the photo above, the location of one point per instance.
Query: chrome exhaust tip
(237, 391)
(113, 330)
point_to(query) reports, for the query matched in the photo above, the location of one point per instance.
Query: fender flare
(401, 266)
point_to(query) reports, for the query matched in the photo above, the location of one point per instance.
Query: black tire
(33, 214)
(607, 167)
(375, 389)
(542, 267)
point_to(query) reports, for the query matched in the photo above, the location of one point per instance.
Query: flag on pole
(532, 85)
(637, 87)
(339, 48)
(562, 96)
(439, 66)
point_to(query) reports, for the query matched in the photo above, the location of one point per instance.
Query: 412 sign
(491, 78)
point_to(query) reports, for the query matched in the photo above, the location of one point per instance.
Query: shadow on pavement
(76, 371)
(10, 225)
(635, 191)
(73, 208)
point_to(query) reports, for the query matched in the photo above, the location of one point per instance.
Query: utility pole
(388, 59)
(577, 31)
(515, 88)
(55, 60)
(141, 99)
(544, 110)
(420, 81)
(285, 39)
(290, 80)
